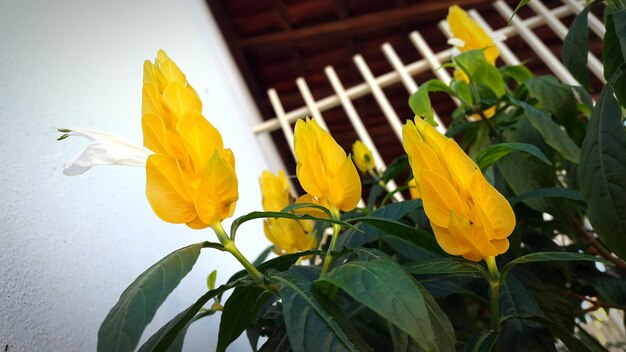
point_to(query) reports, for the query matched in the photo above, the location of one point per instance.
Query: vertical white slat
(310, 102)
(594, 23)
(430, 57)
(381, 99)
(559, 28)
(282, 118)
(353, 116)
(536, 44)
(407, 80)
(357, 124)
(505, 53)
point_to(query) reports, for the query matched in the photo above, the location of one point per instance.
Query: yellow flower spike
(217, 192)
(274, 190)
(287, 235)
(362, 157)
(191, 177)
(469, 216)
(323, 169)
(463, 28)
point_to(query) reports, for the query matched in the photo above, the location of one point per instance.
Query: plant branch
(603, 252)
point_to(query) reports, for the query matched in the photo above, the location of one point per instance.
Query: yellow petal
(154, 133)
(200, 137)
(440, 198)
(275, 191)
(167, 191)
(312, 176)
(449, 243)
(197, 224)
(460, 166)
(464, 28)
(469, 233)
(307, 198)
(362, 156)
(288, 236)
(345, 187)
(152, 101)
(494, 205)
(414, 189)
(179, 99)
(217, 193)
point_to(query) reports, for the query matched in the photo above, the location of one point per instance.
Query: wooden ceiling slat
(365, 23)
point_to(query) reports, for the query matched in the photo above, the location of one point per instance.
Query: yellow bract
(469, 216)
(191, 177)
(473, 36)
(287, 235)
(362, 156)
(323, 169)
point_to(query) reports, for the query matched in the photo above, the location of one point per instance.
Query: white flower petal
(107, 153)
(459, 43)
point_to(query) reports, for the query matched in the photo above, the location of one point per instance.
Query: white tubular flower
(105, 149)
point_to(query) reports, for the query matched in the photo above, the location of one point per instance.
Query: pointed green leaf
(569, 340)
(548, 192)
(549, 257)
(602, 170)
(480, 72)
(123, 326)
(384, 287)
(169, 332)
(613, 55)
(438, 266)
(420, 102)
(493, 153)
(312, 322)
(240, 311)
(552, 133)
(576, 47)
(481, 341)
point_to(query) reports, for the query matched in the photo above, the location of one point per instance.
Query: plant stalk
(494, 285)
(328, 259)
(229, 245)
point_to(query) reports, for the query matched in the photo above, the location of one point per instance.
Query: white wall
(70, 245)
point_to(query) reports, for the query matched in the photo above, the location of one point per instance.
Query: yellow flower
(362, 156)
(469, 216)
(275, 191)
(323, 169)
(468, 35)
(412, 184)
(287, 235)
(190, 177)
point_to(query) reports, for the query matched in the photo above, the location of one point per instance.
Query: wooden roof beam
(354, 25)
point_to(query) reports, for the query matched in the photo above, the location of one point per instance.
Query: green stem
(494, 284)
(229, 245)
(328, 259)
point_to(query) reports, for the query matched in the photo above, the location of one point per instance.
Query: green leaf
(493, 153)
(400, 230)
(576, 47)
(420, 102)
(518, 335)
(548, 192)
(516, 299)
(395, 168)
(480, 72)
(549, 257)
(602, 170)
(368, 233)
(311, 321)
(169, 332)
(520, 4)
(519, 73)
(276, 214)
(613, 56)
(384, 287)
(453, 266)
(481, 341)
(552, 133)
(294, 206)
(240, 310)
(210, 280)
(569, 340)
(123, 326)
